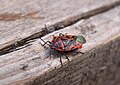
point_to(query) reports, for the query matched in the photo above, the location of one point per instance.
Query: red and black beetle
(65, 43)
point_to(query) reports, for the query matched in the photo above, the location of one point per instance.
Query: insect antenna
(80, 52)
(45, 42)
(46, 28)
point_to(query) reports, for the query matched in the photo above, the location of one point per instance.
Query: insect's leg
(45, 42)
(80, 52)
(51, 52)
(66, 56)
(61, 61)
(77, 52)
(48, 43)
(42, 40)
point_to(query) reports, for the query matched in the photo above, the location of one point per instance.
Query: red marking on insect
(65, 43)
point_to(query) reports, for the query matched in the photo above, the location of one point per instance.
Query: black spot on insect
(53, 45)
(56, 40)
(59, 44)
(74, 43)
(60, 47)
(67, 47)
(67, 37)
(56, 45)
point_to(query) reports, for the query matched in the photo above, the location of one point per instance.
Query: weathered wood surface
(26, 64)
(26, 22)
(100, 66)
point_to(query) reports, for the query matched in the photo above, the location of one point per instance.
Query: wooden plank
(25, 24)
(100, 66)
(28, 63)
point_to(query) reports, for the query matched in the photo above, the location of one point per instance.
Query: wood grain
(17, 36)
(32, 65)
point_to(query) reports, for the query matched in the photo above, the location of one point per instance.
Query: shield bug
(65, 43)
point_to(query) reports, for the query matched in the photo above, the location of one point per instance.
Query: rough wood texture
(97, 20)
(100, 66)
(19, 37)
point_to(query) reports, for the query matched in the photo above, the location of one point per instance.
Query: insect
(65, 43)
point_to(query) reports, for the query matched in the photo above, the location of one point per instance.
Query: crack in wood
(67, 22)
